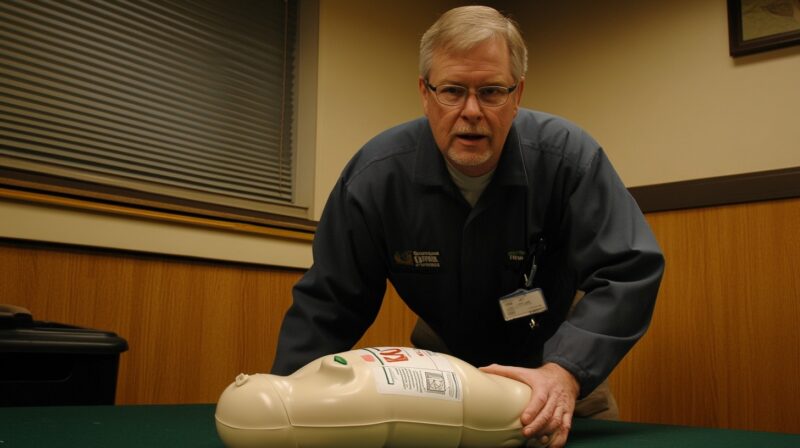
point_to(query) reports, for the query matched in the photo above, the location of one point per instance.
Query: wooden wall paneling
(723, 349)
(200, 326)
(191, 326)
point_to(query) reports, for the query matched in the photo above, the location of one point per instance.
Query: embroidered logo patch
(418, 258)
(516, 256)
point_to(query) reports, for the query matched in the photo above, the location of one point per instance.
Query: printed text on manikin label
(405, 371)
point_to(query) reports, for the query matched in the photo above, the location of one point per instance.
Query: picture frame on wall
(761, 25)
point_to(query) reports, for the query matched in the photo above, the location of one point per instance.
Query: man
(466, 206)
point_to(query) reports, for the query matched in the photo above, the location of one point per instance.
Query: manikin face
(471, 136)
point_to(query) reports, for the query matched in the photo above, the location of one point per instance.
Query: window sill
(51, 218)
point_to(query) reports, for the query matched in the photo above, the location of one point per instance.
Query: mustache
(473, 130)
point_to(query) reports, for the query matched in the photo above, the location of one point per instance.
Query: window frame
(22, 182)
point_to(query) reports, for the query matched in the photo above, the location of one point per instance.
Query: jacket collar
(430, 169)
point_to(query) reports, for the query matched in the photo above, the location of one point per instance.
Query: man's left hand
(553, 394)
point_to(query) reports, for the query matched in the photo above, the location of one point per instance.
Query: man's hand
(553, 394)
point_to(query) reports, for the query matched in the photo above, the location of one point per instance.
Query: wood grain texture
(723, 349)
(191, 326)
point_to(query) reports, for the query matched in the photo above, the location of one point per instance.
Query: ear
(424, 93)
(518, 97)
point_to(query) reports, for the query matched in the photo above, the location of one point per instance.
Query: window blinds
(190, 97)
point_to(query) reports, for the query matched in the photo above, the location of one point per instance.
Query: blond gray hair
(461, 29)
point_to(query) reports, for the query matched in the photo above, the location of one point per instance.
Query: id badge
(522, 303)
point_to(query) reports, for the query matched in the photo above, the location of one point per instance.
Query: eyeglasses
(490, 96)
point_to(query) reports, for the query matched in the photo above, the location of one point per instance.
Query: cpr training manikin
(375, 397)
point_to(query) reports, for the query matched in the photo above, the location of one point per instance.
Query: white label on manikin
(414, 372)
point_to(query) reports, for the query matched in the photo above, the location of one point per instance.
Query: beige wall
(652, 81)
(52, 223)
(367, 76)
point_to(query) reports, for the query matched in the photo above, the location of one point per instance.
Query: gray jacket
(395, 214)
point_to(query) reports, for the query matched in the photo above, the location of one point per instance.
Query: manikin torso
(374, 397)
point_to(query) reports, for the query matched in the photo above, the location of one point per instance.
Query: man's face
(471, 136)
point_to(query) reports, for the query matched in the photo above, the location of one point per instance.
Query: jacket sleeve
(617, 263)
(339, 297)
